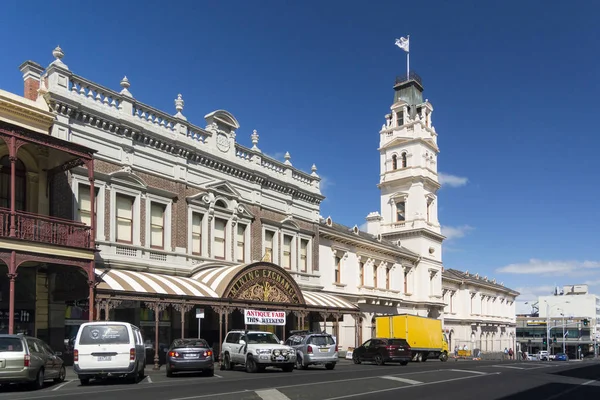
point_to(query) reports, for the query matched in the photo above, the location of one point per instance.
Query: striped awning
(217, 278)
(326, 300)
(120, 280)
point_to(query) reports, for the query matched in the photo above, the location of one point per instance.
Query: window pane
(157, 221)
(303, 255)
(85, 205)
(219, 243)
(287, 252)
(269, 241)
(400, 211)
(241, 247)
(124, 218)
(196, 233)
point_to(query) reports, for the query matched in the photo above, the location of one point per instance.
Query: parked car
(382, 350)
(190, 355)
(109, 348)
(314, 349)
(256, 350)
(561, 357)
(25, 359)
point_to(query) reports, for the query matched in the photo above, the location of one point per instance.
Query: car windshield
(189, 343)
(10, 344)
(321, 340)
(262, 338)
(397, 342)
(560, 355)
(104, 334)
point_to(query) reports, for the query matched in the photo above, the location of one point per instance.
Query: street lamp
(548, 307)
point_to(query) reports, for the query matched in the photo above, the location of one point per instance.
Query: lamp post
(563, 322)
(548, 307)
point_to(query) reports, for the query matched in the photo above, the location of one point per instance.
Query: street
(508, 380)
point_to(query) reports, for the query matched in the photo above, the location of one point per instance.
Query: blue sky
(514, 85)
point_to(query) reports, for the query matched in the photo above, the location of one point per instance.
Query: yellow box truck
(424, 335)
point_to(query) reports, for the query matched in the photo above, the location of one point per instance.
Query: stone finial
(254, 138)
(287, 158)
(58, 54)
(314, 170)
(179, 107)
(125, 85)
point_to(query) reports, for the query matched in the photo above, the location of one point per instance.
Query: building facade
(191, 223)
(47, 256)
(568, 320)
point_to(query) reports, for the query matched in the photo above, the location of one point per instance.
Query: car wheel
(61, 375)
(84, 381)
(209, 372)
(169, 372)
(356, 359)
(330, 366)
(227, 362)
(39, 380)
(403, 362)
(379, 360)
(251, 365)
(300, 363)
(444, 357)
(142, 373)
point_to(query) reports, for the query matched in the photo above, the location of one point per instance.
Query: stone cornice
(12, 105)
(413, 233)
(113, 124)
(404, 140)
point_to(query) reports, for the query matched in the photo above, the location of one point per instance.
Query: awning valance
(120, 280)
(327, 300)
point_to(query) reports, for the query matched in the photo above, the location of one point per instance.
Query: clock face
(222, 142)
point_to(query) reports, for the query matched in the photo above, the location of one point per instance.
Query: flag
(403, 43)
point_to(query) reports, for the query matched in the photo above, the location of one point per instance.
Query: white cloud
(529, 294)
(325, 184)
(277, 156)
(551, 268)
(456, 232)
(452, 180)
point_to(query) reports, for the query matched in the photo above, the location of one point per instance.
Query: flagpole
(408, 59)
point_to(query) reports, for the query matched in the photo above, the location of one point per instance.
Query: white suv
(256, 350)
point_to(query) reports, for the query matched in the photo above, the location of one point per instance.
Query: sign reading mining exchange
(255, 317)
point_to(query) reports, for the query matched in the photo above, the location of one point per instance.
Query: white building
(479, 312)
(188, 217)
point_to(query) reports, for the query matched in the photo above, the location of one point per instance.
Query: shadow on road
(564, 391)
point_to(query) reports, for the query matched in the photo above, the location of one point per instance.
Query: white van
(109, 348)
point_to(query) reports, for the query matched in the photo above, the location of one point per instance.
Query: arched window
(220, 203)
(20, 184)
(394, 162)
(403, 160)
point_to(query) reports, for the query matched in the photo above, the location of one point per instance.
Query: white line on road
(218, 376)
(588, 382)
(149, 379)
(408, 387)
(61, 385)
(271, 394)
(405, 380)
(507, 366)
(469, 371)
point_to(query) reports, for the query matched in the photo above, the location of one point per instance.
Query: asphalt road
(508, 380)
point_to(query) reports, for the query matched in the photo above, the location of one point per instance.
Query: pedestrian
(510, 353)
(505, 357)
(456, 351)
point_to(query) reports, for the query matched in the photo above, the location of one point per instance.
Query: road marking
(271, 394)
(218, 376)
(149, 379)
(588, 382)
(468, 371)
(507, 366)
(61, 385)
(405, 380)
(570, 390)
(408, 387)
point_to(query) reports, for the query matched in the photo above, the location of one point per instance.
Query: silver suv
(25, 359)
(256, 350)
(313, 349)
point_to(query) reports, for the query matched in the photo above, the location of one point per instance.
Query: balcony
(47, 230)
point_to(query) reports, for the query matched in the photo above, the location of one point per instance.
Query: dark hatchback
(381, 350)
(189, 355)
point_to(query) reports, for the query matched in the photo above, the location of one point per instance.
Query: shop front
(260, 296)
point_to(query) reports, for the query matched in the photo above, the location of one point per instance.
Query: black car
(381, 350)
(190, 355)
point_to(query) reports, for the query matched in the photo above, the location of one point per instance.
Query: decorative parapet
(120, 113)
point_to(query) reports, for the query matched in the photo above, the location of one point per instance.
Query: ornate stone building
(190, 222)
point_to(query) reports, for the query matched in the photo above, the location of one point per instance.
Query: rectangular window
(287, 252)
(400, 211)
(241, 242)
(85, 206)
(338, 267)
(400, 118)
(157, 225)
(124, 218)
(219, 242)
(197, 233)
(451, 302)
(387, 278)
(374, 276)
(303, 255)
(361, 272)
(269, 236)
